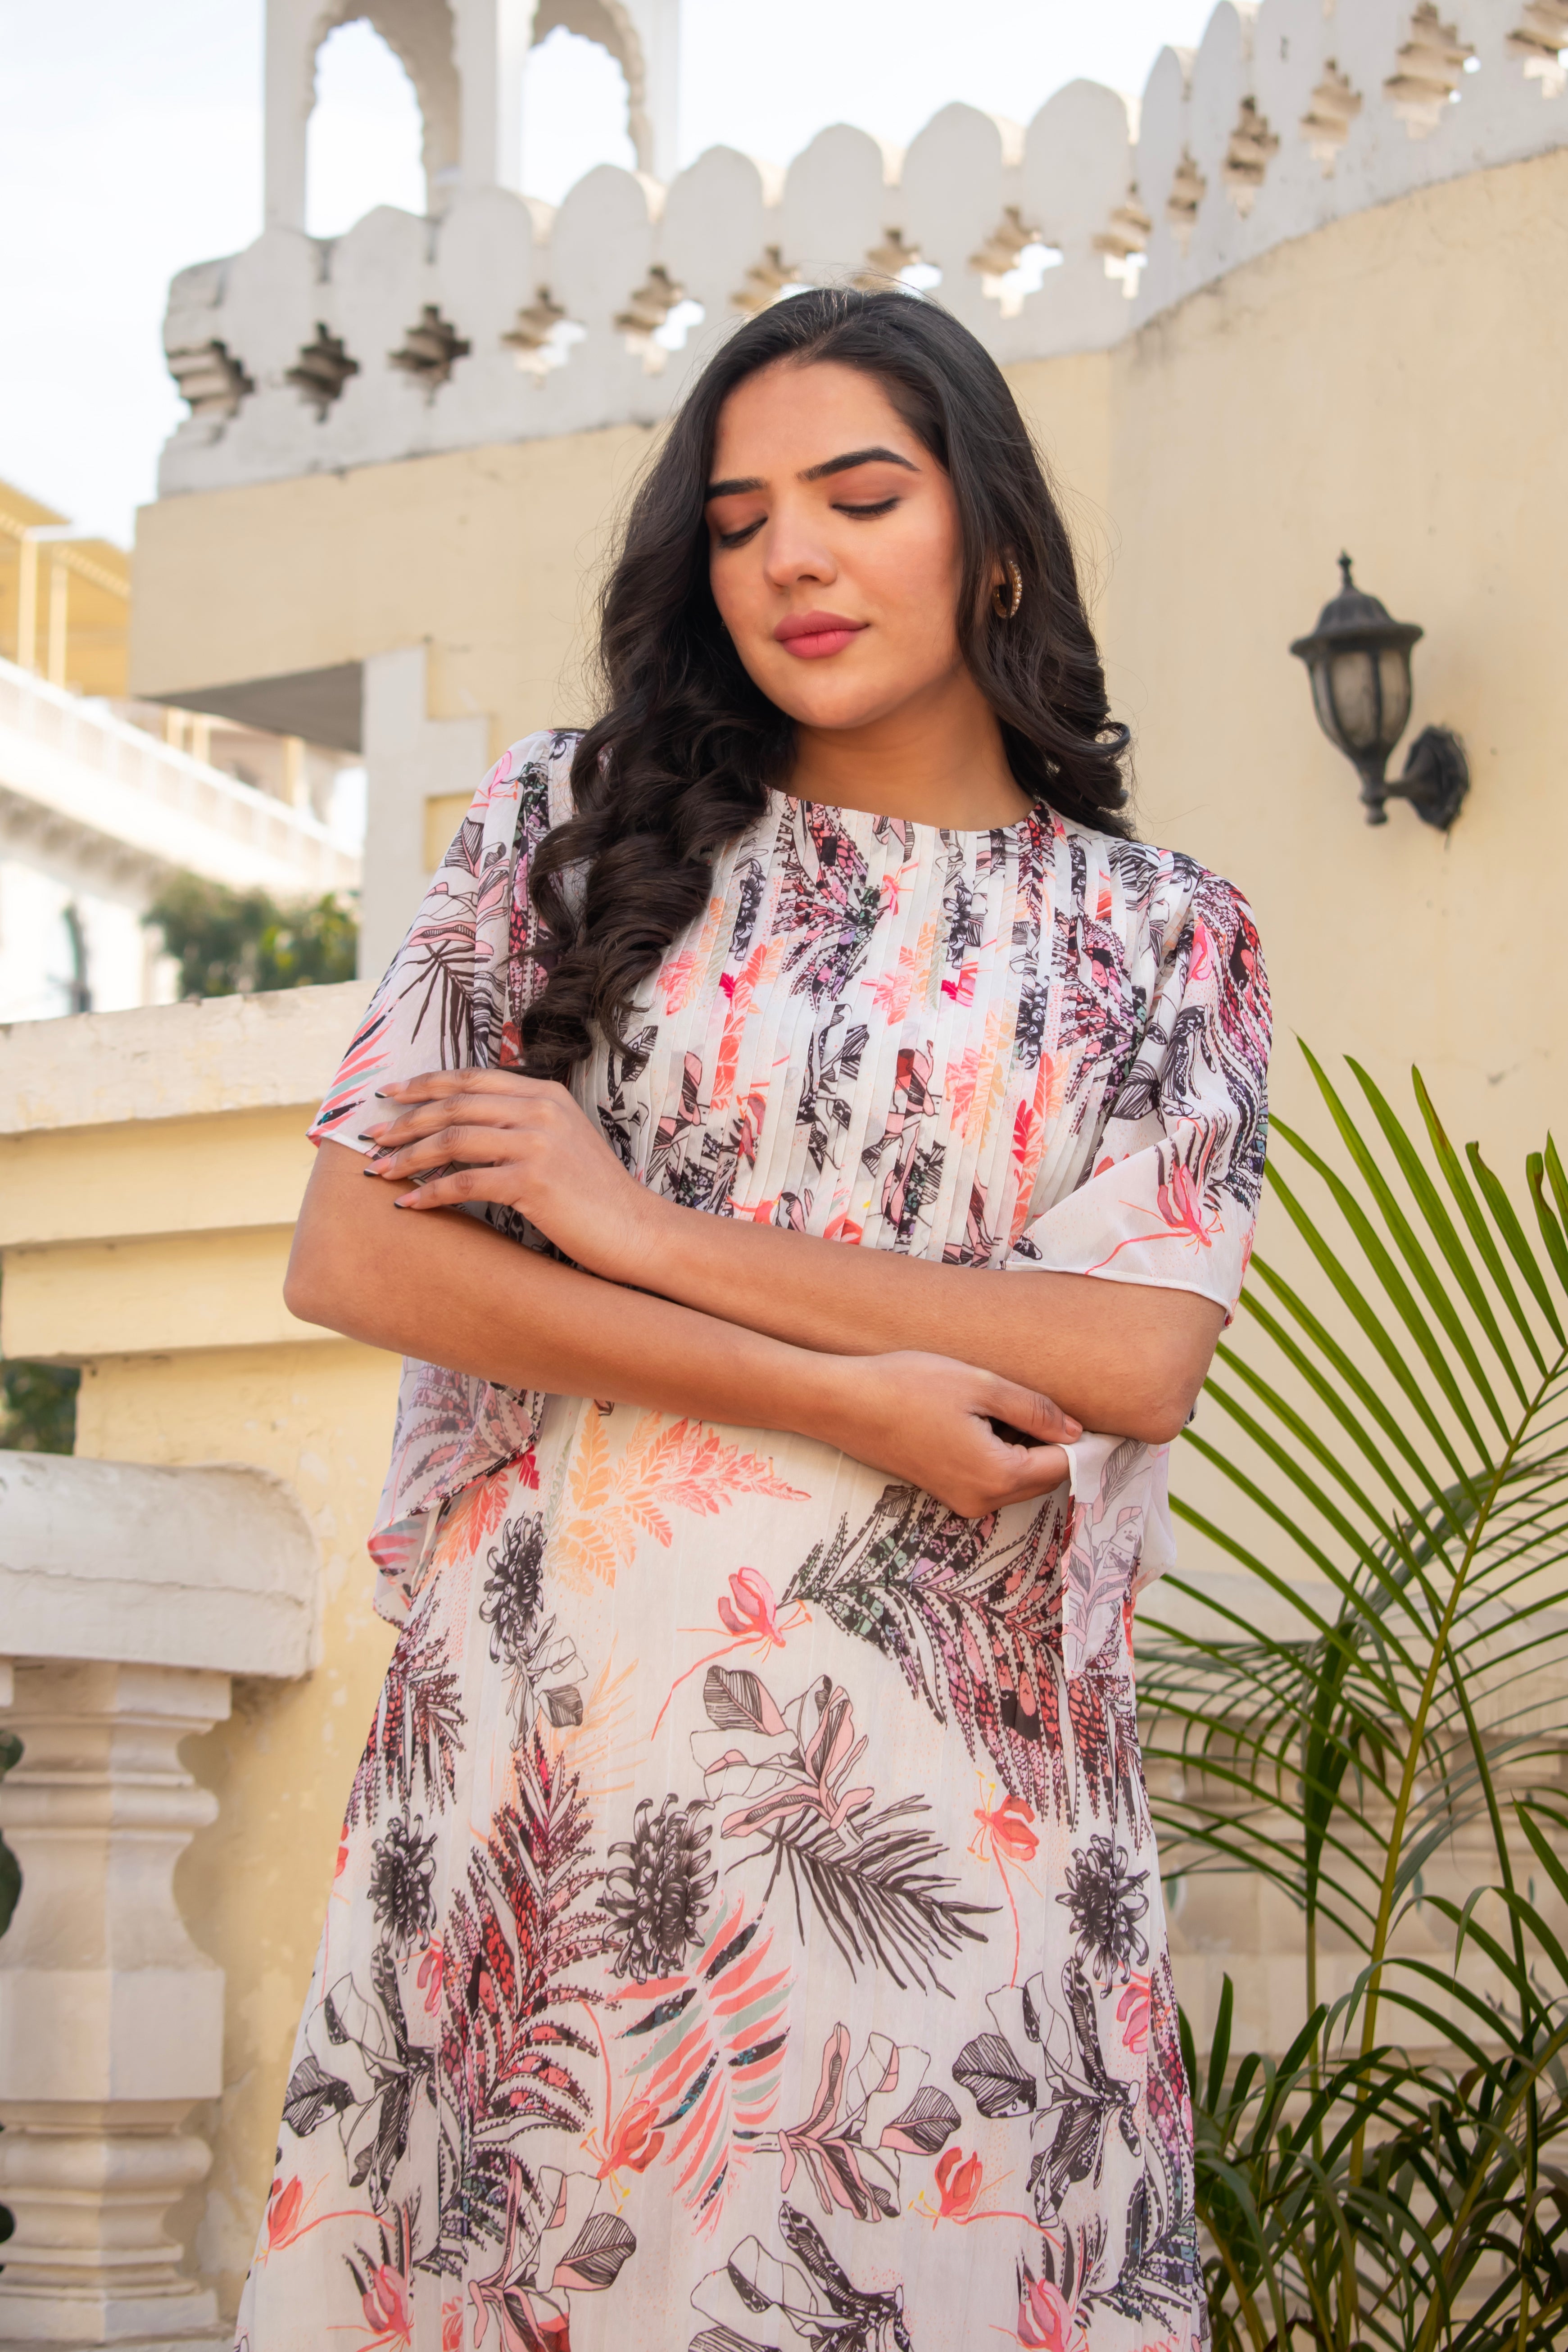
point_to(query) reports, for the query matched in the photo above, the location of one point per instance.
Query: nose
(794, 549)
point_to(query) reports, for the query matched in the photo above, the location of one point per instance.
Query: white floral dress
(747, 1930)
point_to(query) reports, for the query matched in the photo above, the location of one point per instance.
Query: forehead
(786, 417)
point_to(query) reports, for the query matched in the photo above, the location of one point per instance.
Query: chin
(828, 702)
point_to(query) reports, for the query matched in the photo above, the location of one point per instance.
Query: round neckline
(849, 820)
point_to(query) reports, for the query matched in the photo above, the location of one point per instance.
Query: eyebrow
(851, 459)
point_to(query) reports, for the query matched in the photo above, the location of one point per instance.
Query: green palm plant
(1388, 1750)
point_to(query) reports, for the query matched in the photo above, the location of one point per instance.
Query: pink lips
(811, 635)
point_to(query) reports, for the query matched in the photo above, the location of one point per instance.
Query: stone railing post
(111, 2020)
(129, 1596)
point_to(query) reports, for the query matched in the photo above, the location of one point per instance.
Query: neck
(937, 759)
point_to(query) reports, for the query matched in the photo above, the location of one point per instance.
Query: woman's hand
(524, 1144)
(928, 1421)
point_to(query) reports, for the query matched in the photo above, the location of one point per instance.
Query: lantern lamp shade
(1358, 658)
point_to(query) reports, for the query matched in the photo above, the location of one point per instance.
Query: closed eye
(739, 537)
(881, 507)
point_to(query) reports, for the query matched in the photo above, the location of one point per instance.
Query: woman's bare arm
(449, 1289)
(1119, 1356)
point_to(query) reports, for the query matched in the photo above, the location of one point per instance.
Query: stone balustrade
(504, 319)
(130, 1595)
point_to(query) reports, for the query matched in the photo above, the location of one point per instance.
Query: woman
(747, 1930)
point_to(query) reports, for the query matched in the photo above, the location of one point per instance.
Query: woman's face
(834, 547)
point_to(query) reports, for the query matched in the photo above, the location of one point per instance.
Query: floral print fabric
(747, 1930)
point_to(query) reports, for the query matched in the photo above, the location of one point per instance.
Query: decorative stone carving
(210, 378)
(1188, 189)
(1539, 37)
(766, 281)
(1246, 157)
(322, 369)
(1431, 64)
(432, 348)
(533, 335)
(966, 188)
(646, 312)
(1326, 125)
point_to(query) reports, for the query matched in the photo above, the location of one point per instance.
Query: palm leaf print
(417, 1731)
(866, 1876)
(711, 2051)
(683, 1465)
(972, 1624)
(513, 1933)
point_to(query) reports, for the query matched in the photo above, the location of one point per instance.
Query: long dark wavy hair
(682, 760)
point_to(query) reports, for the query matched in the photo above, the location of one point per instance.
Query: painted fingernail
(407, 1201)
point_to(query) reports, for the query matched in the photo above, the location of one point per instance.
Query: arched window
(574, 102)
(366, 135)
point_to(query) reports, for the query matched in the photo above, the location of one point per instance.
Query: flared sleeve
(452, 998)
(1171, 1197)
(1170, 1200)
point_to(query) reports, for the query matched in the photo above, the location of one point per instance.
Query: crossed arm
(903, 1364)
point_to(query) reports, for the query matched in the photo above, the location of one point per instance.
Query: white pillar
(110, 2019)
(289, 94)
(409, 758)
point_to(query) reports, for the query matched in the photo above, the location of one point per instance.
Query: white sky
(130, 145)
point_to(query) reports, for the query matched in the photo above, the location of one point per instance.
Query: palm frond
(1391, 1418)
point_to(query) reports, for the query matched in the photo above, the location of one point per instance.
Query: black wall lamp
(1359, 662)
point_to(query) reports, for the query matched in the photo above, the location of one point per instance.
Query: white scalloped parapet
(506, 321)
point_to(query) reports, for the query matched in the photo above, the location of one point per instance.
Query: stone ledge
(210, 1569)
(176, 1061)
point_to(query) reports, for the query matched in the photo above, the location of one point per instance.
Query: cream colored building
(1316, 302)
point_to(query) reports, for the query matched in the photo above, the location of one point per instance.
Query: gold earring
(1007, 598)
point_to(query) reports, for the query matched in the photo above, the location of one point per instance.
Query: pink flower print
(1202, 964)
(431, 1964)
(451, 2327)
(385, 2303)
(750, 1614)
(958, 2181)
(962, 989)
(1132, 2015)
(751, 1610)
(1046, 2319)
(1181, 1204)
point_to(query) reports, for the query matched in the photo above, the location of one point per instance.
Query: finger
(485, 1147)
(1039, 1417)
(463, 1184)
(431, 1084)
(1034, 1470)
(425, 1118)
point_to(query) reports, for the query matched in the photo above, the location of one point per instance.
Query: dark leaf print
(512, 1935)
(927, 2123)
(313, 2096)
(921, 1584)
(879, 1899)
(417, 1731)
(598, 2255)
(735, 1700)
(995, 2080)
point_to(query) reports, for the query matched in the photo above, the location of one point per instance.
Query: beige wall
(1394, 384)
